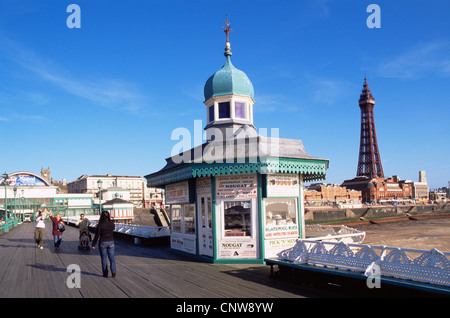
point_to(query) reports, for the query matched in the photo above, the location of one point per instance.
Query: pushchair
(85, 238)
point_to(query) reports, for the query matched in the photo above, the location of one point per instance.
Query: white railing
(130, 229)
(430, 266)
(75, 219)
(140, 230)
(334, 233)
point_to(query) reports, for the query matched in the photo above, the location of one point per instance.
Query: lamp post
(99, 182)
(14, 210)
(21, 208)
(5, 178)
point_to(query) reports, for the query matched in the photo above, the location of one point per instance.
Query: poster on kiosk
(182, 214)
(237, 203)
(280, 209)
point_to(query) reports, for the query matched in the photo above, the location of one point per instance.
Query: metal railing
(334, 233)
(5, 226)
(140, 230)
(418, 265)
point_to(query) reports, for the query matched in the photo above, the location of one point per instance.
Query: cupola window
(211, 113)
(224, 110)
(239, 109)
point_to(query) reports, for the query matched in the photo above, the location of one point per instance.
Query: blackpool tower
(369, 161)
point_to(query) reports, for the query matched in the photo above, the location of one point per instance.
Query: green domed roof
(228, 80)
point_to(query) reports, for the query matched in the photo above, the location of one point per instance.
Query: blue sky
(106, 97)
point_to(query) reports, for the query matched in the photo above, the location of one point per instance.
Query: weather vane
(227, 30)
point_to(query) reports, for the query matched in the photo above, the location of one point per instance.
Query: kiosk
(237, 198)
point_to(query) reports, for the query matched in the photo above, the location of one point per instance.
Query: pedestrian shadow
(55, 269)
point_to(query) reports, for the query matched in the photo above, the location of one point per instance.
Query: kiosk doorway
(204, 213)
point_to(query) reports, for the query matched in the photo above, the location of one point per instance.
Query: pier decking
(149, 272)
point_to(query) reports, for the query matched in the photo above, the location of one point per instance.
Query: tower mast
(369, 161)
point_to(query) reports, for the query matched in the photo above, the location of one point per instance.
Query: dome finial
(227, 30)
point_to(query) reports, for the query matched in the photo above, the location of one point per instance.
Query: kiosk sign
(177, 192)
(283, 185)
(236, 187)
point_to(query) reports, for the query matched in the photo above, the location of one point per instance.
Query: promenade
(142, 272)
(158, 272)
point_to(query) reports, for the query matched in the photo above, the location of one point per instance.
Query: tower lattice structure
(369, 162)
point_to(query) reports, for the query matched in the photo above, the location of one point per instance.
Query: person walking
(58, 228)
(105, 236)
(39, 231)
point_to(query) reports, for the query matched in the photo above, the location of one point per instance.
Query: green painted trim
(72, 198)
(262, 251)
(214, 217)
(198, 257)
(239, 261)
(302, 202)
(219, 261)
(310, 169)
(196, 220)
(300, 214)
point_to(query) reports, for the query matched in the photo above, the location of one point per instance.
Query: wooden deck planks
(150, 272)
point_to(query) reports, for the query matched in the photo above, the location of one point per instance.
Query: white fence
(142, 231)
(334, 233)
(425, 266)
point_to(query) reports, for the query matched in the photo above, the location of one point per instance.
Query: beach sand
(424, 234)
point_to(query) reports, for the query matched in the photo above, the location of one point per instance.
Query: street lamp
(5, 178)
(99, 182)
(14, 210)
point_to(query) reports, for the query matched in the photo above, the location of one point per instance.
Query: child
(84, 239)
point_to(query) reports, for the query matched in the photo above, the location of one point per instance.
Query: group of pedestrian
(104, 235)
(57, 229)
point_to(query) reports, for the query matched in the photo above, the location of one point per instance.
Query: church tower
(228, 97)
(45, 173)
(369, 162)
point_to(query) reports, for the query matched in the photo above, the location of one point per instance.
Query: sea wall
(314, 215)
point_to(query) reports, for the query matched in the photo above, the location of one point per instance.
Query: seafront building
(323, 193)
(139, 194)
(26, 191)
(420, 189)
(238, 196)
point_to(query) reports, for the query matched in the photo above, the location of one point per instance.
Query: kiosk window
(206, 220)
(237, 218)
(176, 218)
(183, 218)
(189, 219)
(280, 211)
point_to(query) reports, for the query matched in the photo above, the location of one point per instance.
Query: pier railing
(334, 233)
(424, 266)
(142, 231)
